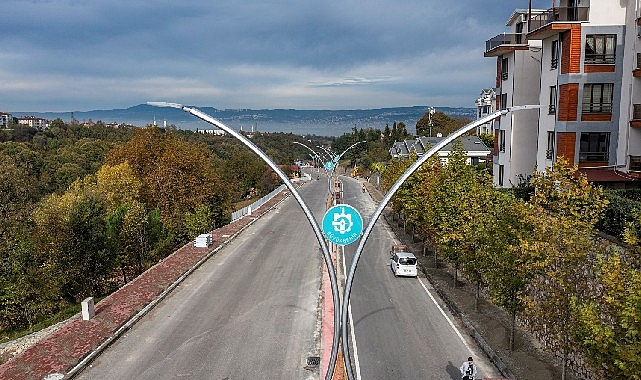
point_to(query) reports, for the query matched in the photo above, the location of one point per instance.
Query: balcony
(637, 69)
(635, 122)
(497, 45)
(558, 15)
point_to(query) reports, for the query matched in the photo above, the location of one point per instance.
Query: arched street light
(319, 236)
(350, 276)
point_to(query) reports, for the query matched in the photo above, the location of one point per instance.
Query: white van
(403, 264)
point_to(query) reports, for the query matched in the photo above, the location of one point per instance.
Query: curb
(98, 350)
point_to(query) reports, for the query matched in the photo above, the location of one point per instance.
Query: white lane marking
(445, 315)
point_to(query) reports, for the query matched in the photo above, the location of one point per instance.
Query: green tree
(441, 123)
(609, 319)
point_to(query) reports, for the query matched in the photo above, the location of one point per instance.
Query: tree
(441, 123)
(176, 176)
(609, 319)
(566, 207)
(515, 261)
(563, 191)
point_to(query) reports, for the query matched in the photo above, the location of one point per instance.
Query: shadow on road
(453, 371)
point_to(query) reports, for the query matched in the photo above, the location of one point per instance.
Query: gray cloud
(79, 55)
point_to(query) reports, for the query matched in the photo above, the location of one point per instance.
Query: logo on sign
(342, 224)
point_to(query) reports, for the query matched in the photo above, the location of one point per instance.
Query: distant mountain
(300, 122)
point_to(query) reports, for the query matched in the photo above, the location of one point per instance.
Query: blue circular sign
(329, 165)
(342, 224)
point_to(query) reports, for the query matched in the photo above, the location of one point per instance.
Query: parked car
(403, 263)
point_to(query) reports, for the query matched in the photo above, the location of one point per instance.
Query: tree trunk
(476, 298)
(513, 327)
(124, 274)
(564, 364)
(455, 273)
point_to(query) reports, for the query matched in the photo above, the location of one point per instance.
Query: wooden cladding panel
(498, 72)
(598, 68)
(568, 102)
(596, 117)
(496, 142)
(565, 143)
(571, 54)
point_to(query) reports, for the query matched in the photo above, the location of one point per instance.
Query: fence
(248, 209)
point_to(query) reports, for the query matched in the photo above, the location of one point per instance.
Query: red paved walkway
(64, 349)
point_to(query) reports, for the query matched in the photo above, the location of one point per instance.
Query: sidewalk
(74, 344)
(490, 325)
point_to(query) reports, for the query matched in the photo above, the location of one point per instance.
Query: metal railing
(636, 112)
(248, 209)
(559, 14)
(505, 39)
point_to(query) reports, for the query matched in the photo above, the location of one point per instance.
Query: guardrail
(247, 210)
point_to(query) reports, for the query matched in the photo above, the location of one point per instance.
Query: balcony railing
(559, 14)
(504, 39)
(593, 156)
(636, 112)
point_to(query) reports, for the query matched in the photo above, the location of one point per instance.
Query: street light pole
(381, 206)
(310, 217)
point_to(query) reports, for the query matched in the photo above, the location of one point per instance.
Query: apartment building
(485, 105)
(518, 67)
(5, 119)
(589, 87)
(34, 122)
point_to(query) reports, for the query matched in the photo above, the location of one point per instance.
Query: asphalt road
(398, 331)
(250, 312)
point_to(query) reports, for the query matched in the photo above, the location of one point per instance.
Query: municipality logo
(342, 224)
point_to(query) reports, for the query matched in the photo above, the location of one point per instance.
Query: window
(549, 153)
(635, 163)
(501, 174)
(503, 101)
(502, 140)
(554, 62)
(597, 98)
(552, 107)
(504, 68)
(594, 146)
(600, 48)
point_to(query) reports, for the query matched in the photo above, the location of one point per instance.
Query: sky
(82, 55)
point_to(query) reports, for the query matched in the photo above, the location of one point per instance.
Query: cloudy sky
(80, 55)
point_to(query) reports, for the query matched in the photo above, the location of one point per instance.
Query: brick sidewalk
(66, 349)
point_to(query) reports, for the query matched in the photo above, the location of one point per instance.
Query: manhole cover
(313, 361)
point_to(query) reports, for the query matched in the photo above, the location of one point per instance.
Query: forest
(85, 208)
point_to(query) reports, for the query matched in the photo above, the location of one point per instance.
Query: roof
(407, 255)
(473, 145)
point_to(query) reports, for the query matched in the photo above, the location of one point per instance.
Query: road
(250, 312)
(398, 330)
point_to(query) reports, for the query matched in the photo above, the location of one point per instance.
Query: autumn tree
(609, 319)
(176, 176)
(566, 208)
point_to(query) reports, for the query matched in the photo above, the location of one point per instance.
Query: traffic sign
(342, 224)
(329, 165)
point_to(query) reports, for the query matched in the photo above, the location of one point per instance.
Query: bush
(619, 212)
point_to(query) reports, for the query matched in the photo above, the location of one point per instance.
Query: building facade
(587, 81)
(486, 105)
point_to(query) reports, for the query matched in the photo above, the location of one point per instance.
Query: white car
(403, 264)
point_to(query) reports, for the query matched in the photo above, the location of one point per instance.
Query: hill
(300, 122)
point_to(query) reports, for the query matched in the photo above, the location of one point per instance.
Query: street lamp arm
(345, 151)
(326, 255)
(381, 206)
